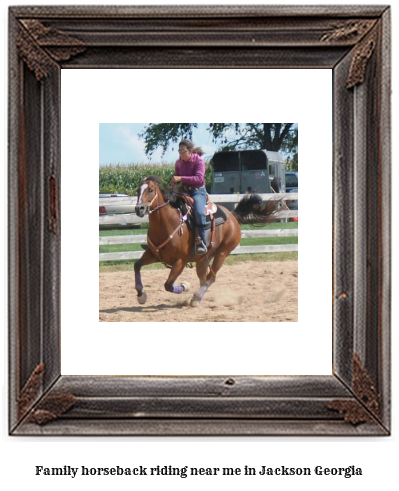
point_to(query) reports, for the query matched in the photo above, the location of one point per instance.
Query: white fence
(122, 219)
(141, 239)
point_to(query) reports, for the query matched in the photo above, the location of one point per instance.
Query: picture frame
(353, 42)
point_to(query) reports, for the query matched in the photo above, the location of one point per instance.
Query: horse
(170, 238)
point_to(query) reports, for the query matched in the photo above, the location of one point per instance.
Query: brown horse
(171, 240)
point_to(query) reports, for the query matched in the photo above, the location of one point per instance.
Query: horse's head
(147, 195)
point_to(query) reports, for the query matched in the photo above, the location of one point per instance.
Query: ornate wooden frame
(352, 41)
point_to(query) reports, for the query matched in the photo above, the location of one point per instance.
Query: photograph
(236, 194)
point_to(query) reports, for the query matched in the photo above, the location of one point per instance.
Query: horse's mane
(169, 194)
(172, 195)
(156, 179)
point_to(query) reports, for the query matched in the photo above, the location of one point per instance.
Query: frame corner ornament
(351, 31)
(366, 406)
(362, 54)
(30, 390)
(51, 407)
(39, 46)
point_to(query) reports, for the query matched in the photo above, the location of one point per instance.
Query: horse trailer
(248, 171)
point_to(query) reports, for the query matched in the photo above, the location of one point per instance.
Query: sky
(120, 144)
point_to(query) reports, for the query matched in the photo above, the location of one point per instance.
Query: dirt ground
(243, 292)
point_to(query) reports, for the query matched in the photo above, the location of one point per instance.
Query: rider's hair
(190, 147)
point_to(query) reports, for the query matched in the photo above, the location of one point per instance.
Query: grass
(128, 265)
(244, 242)
(125, 231)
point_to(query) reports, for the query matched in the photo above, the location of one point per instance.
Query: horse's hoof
(186, 286)
(142, 298)
(195, 302)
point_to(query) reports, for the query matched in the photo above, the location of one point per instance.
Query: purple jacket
(192, 172)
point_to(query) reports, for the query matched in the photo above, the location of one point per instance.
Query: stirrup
(200, 249)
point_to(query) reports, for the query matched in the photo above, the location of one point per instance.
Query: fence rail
(142, 239)
(132, 219)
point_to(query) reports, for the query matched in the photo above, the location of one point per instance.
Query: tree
(231, 136)
(290, 147)
(292, 162)
(162, 134)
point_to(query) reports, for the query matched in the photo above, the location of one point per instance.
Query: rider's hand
(174, 180)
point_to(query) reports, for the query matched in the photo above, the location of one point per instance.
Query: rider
(190, 171)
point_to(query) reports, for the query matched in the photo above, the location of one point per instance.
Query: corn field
(126, 178)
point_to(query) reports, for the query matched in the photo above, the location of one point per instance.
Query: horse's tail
(252, 210)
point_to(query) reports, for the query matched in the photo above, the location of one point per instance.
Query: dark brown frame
(353, 41)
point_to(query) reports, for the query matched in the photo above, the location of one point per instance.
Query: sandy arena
(244, 292)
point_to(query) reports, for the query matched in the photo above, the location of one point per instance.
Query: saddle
(210, 207)
(215, 216)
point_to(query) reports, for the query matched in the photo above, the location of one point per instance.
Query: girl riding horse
(190, 171)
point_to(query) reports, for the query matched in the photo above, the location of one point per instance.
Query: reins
(157, 207)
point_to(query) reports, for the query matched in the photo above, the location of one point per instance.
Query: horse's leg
(227, 242)
(202, 268)
(146, 258)
(175, 272)
(210, 278)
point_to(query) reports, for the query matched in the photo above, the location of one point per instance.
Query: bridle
(157, 207)
(152, 201)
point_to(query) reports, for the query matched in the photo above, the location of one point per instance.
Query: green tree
(290, 147)
(229, 136)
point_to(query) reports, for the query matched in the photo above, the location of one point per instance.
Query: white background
(98, 348)
(376, 456)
